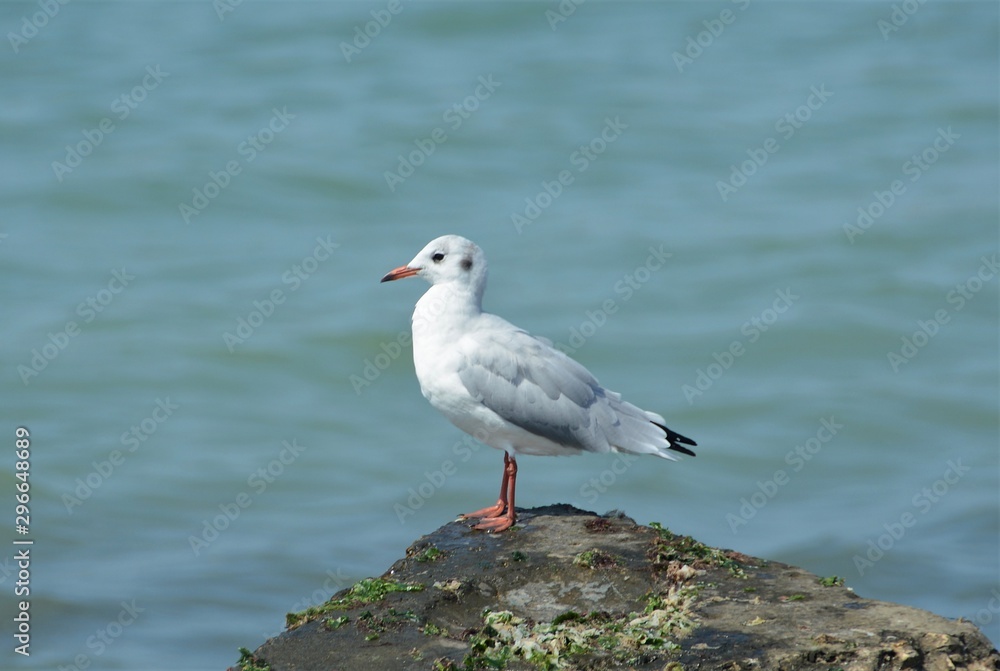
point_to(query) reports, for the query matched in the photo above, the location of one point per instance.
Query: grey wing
(533, 386)
(542, 390)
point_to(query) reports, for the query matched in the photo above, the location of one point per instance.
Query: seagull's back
(507, 388)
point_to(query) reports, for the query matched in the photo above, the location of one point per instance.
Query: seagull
(508, 389)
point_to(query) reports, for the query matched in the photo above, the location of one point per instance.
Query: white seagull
(507, 388)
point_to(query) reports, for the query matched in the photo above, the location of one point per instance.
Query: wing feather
(532, 386)
(536, 387)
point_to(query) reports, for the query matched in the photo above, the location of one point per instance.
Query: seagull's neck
(445, 307)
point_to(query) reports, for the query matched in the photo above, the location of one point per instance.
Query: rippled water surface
(774, 223)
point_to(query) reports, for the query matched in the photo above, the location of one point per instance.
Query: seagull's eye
(437, 257)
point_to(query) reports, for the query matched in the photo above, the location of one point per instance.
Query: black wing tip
(683, 450)
(677, 441)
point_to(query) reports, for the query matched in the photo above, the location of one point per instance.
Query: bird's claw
(493, 511)
(496, 524)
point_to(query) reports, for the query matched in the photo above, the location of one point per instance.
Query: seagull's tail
(639, 431)
(677, 441)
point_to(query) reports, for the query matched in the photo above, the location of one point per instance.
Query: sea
(774, 223)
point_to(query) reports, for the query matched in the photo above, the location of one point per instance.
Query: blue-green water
(224, 419)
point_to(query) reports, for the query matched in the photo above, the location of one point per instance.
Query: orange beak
(400, 273)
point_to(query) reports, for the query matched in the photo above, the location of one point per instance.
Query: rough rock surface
(567, 589)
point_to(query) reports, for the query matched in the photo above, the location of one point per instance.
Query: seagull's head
(450, 259)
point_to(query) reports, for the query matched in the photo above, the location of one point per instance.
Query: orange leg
(502, 516)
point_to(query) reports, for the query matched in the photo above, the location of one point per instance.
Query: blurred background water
(199, 200)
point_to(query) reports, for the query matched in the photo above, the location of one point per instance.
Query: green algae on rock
(364, 591)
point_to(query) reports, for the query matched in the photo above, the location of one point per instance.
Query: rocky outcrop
(568, 589)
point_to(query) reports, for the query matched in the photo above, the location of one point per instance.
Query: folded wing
(541, 390)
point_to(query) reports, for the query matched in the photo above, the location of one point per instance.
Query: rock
(567, 589)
